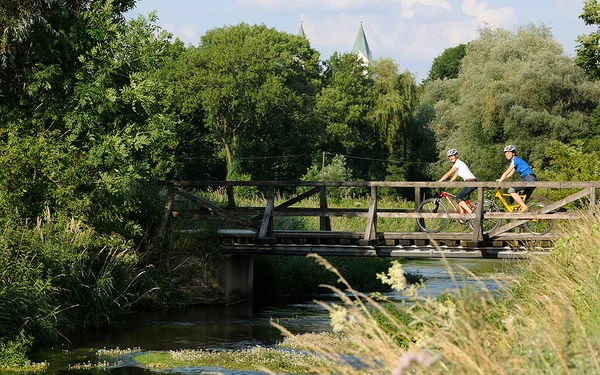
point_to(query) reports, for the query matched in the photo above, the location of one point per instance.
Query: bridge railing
(261, 218)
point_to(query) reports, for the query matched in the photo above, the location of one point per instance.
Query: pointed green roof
(360, 44)
(301, 30)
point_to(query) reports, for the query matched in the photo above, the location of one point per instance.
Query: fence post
(417, 204)
(324, 222)
(168, 211)
(266, 227)
(371, 230)
(478, 222)
(592, 199)
(230, 197)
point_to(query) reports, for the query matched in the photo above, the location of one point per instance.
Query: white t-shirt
(463, 171)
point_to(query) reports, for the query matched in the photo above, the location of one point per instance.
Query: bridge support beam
(237, 278)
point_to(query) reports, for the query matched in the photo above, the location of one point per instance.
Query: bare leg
(465, 207)
(518, 199)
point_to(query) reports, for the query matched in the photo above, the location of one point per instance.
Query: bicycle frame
(445, 194)
(509, 207)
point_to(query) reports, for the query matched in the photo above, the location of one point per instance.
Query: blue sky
(411, 32)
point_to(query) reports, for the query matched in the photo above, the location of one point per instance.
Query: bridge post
(371, 230)
(478, 222)
(237, 278)
(265, 233)
(230, 197)
(417, 204)
(168, 211)
(324, 222)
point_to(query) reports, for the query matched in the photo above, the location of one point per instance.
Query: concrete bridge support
(237, 278)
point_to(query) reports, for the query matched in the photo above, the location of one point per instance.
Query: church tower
(301, 31)
(361, 46)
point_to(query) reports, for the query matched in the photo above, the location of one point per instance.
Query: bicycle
(436, 205)
(534, 226)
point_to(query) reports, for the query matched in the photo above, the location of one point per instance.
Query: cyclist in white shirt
(460, 169)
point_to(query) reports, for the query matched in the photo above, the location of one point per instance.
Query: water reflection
(237, 326)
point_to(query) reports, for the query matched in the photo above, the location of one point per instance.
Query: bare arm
(452, 170)
(507, 174)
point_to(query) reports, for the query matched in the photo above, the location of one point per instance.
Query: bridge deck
(389, 244)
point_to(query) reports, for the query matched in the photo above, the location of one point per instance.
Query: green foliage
(336, 170)
(12, 352)
(60, 275)
(588, 50)
(391, 320)
(90, 138)
(447, 65)
(513, 88)
(255, 87)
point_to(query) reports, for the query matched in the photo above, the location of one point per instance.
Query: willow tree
(256, 87)
(514, 87)
(394, 103)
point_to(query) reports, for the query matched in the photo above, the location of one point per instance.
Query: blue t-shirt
(521, 166)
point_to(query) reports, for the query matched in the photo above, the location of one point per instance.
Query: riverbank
(544, 320)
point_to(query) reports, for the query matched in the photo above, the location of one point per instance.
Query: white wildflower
(340, 318)
(395, 277)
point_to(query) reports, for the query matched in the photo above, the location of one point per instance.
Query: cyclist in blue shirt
(522, 168)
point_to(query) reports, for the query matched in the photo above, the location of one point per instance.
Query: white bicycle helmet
(452, 151)
(510, 148)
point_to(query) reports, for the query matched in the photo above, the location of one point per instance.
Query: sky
(411, 32)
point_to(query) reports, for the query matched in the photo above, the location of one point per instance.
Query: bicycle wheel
(432, 224)
(538, 226)
(488, 223)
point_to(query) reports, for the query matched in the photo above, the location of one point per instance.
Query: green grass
(258, 358)
(546, 319)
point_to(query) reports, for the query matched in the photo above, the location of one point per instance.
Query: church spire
(301, 31)
(361, 47)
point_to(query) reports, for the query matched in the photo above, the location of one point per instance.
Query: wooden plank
(397, 184)
(536, 197)
(299, 198)
(267, 220)
(478, 220)
(543, 210)
(381, 213)
(371, 229)
(210, 206)
(417, 204)
(168, 211)
(324, 222)
(230, 197)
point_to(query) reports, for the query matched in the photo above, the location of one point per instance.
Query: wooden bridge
(252, 230)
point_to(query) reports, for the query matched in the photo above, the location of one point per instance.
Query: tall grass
(546, 320)
(57, 275)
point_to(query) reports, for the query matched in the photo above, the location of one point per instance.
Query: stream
(233, 327)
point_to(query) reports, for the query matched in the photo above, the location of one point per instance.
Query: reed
(545, 320)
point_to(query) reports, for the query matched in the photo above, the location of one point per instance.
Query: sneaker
(462, 221)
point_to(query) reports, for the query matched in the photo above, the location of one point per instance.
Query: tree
(83, 124)
(256, 87)
(588, 49)
(514, 88)
(447, 65)
(395, 100)
(342, 109)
